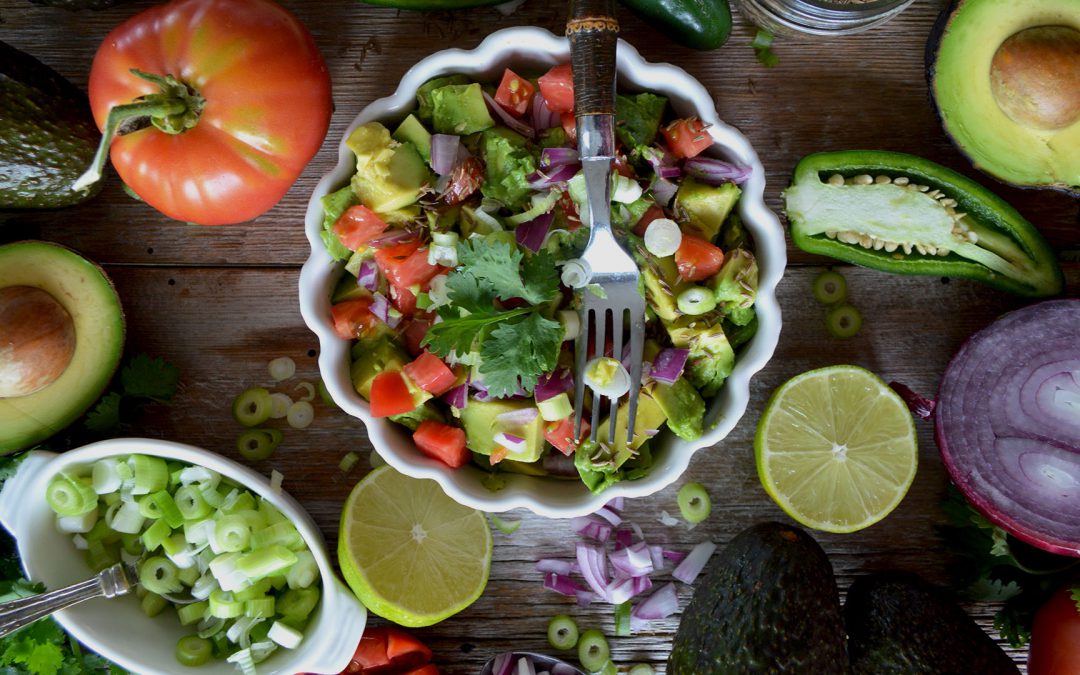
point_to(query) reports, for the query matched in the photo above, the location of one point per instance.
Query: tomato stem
(172, 110)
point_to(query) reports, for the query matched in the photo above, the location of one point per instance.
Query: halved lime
(836, 448)
(410, 553)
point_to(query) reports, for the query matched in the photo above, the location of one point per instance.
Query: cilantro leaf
(516, 353)
(498, 264)
(541, 277)
(993, 590)
(459, 335)
(105, 416)
(469, 293)
(145, 377)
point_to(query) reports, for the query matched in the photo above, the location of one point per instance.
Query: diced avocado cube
(711, 356)
(423, 94)
(389, 175)
(555, 137)
(649, 418)
(421, 413)
(662, 286)
(481, 423)
(684, 407)
(735, 286)
(706, 206)
(411, 130)
(460, 109)
(507, 163)
(740, 335)
(348, 289)
(371, 357)
(637, 118)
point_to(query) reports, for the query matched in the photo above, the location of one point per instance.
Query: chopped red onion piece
(444, 153)
(525, 667)
(552, 384)
(541, 116)
(617, 504)
(591, 528)
(641, 584)
(619, 591)
(668, 365)
(508, 119)
(457, 397)
(674, 556)
(503, 664)
(562, 668)
(380, 307)
(634, 561)
(552, 157)
(715, 171)
(391, 237)
(561, 567)
(368, 275)
(531, 234)
(637, 531)
(593, 563)
(514, 418)
(609, 515)
(667, 520)
(656, 553)
(661, 604)
(563, 585)
(514, 444)
(919, 405)
(585, 598)
(691, 566)
(546, 178)
(663, 191)
(623, 538)
(668, 172)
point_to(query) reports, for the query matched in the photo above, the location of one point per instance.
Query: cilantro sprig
(516, 344)
(142, 379)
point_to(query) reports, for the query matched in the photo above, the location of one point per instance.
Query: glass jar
(820, 17)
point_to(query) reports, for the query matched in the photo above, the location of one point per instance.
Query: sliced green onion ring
(252, 407)
(300, 415)
(279, 405)
(830, 288)
(593, 650)
(192, 650)
(843, 321)
(696, 300)
(694, 502)
(281, 368)
(562, 632)
(258, 444)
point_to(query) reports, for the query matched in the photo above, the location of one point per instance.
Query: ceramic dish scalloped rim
(538, 48)
(113, 627)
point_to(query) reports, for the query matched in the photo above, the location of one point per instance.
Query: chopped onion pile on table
(188, 529)
(617, 566)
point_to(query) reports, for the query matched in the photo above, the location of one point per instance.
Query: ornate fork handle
(109, 583)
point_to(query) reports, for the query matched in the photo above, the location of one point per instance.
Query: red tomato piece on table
(358, 226)
(557, 88)
(687, 137)
(430, 374)
(353, 318)
(267, 105)
(697, 259)
(1055, 637)
(405, 264)
(390, 395)
(652, 213)
(442, 442)
(515, 93)
(561, 434)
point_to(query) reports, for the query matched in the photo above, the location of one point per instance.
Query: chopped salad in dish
(461, 232)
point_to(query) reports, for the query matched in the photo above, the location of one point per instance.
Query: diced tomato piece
(515, 93)
(388, 651)
(569, 125)
(401, 647)
(557, 88)
(405, 264)
(430, 374)
(497, 455)
(357, 226)
(569, 208)
(652, 213)
(687, 137)
(697, 259)
(442, 442)
(403, 299)
(370, 654)
(414, 333)
(390, 395)
(465, 179)
(353, 318)
(561, 434)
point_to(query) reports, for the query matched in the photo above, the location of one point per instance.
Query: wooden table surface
(221, 302)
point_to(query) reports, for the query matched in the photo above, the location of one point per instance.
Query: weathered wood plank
(222, 326)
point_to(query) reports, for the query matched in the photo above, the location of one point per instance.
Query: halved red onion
(458, 397)
(531, 234)
(561, 584)
(381, 308)
(552, 157)
(561, 567)
(552, 384)
(593, 563)
(508, 119)
(367, 276)
(1007, 425)
(691, 566)
(716, 171)
(543, 179)
(541, 116)
(661, 604)
(516, 418)
(444, 153)
(668, 365)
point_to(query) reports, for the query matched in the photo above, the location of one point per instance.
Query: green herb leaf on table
(154, 379)
(105, 416)
(762, 45)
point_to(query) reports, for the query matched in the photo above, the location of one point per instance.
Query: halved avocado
(1005, 78)
(47, 285)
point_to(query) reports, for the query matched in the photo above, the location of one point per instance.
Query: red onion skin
(920, 406)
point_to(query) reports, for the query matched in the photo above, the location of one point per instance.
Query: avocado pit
(1035, 77)
(37, 340)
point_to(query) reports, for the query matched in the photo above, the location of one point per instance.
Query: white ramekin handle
(14, 495)
(347, 618)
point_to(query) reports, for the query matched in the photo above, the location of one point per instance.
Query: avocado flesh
(89, 297)
(389, 175)
(373, 356)
(480, 420)
(47, 135)
(961, 87)
(705, 206)
(767, 603)
(683, 406)
(899, 624)
(648, 417)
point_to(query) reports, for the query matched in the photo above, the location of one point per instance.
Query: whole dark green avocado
(47, 135)
(767, 604)
(898, 624)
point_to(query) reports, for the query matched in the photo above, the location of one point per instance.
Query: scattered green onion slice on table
(504, 526)
(258, 444)
(562, 632)
(622, 619)
(593, 650)
(694, 502)
(642, 669)
(830, 288)
(252, 407)
(282, 368)
(279, 405)
(843, 321)
(192, 650)
(300, 415)
(348, 462)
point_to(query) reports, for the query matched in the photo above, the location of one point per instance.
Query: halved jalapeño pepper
(900, 213)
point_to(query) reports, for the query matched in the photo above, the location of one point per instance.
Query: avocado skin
(767, 604)
(47, 135)
(899, 624)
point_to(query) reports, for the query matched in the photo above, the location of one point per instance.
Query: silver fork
(593, 33)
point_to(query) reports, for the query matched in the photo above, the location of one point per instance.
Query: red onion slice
(553, 157)
(661, 604)
(541, 116)
(391, 237)
(531, 234)
(547, 178)
(668, 365)
(591, 527)
(1007, 426)
(562, 567)
(444, 153)
(563, 585)
(381, 308)
(508, 119)
(609, 515)
(516, 418)
(458, 397)
(663, 191)
(368, 275)
(715, 171)
(689, 569)
(552, 384)
(593, 563)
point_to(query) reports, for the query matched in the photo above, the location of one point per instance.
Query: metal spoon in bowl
(111, 582)
(539, 661)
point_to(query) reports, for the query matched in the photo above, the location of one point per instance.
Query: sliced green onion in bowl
(663, 237)
(192, 650)
(696, 300)
(70, 495)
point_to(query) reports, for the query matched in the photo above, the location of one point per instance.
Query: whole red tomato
(1055, 637)
(246, 106)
